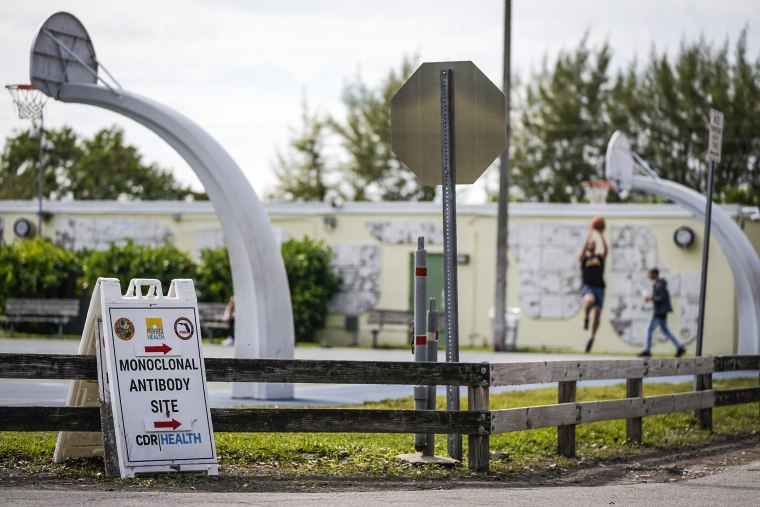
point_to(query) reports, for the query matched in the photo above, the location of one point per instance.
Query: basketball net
(596, 191)
(28, 101)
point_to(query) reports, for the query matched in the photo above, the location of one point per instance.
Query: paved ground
(735, 486)
(53, 393)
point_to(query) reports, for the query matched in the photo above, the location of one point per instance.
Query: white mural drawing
(549, 277)
(405, 232)
(359, 269)
(100, 233)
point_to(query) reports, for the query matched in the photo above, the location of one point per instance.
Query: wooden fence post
(634, 388)
(704, 416)
(478, 452)
(566, 433)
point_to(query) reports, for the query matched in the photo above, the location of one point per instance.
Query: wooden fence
(478, 422)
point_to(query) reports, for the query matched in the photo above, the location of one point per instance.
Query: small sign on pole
(716, 136)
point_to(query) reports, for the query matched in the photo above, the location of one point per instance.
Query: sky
(241, 68)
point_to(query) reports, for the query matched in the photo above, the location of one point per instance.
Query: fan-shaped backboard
(62, 52)
(619, 163)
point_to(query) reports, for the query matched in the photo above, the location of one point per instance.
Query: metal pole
(448, 176)
(41, 175)
(432, 350)
(502, 234)
(705, 258)
(420, 332)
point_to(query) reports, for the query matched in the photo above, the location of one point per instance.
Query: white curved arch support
(264, 318)
(744, 263)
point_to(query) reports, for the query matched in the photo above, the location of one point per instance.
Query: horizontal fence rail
(262, 420)
(506, 374)
(479, 422)
(71, 367)
(547, 416)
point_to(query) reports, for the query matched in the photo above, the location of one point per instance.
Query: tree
(19, 161)
(560, 137)
(569, 111)
(372, 171)
(103, 167)
(301, 173)
(312, 282)
(674, 96)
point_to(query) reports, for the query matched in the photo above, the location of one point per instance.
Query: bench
(211, 316)
(381, 317)
(54, 311)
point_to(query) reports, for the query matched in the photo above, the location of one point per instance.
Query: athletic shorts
(598, 293)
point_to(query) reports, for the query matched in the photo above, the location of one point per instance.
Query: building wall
(373, 243)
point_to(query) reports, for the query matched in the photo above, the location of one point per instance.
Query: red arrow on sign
(173, 424)
(158, 348)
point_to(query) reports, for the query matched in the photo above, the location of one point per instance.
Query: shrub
(313, 283)
(36, 268)
(128, 261)
(214, 280)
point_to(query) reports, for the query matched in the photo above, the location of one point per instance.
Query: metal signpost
(713, 154)
(449, 135)
(150, 347)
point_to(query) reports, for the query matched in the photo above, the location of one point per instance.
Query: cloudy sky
(240, 68)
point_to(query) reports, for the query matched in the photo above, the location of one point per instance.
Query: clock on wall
(684, 236)
(23, 228)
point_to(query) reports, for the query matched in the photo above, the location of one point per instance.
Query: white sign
(157, 381)
(716, 136)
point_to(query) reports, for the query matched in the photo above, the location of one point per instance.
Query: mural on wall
(359, 269)
(99, 233)
(547, 260)
(405, 232)
(549, 277)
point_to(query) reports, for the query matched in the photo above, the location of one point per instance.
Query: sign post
(156, 383)
(449, 135)
(713, 154)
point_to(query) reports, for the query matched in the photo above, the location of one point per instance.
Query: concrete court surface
(735, 486)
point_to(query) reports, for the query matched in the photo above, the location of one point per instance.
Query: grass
(299, 455)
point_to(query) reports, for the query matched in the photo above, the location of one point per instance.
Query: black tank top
(592, 270)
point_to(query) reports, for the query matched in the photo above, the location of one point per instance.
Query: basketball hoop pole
(29, 103)
(41, 175)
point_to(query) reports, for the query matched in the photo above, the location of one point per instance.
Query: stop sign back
(479, 122)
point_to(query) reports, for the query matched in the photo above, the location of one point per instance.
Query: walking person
(592, 276)
(660, 297)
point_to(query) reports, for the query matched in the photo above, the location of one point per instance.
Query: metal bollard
(432, 352)
(420, 333)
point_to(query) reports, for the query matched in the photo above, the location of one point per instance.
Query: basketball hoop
(28, 101)
(596, 191)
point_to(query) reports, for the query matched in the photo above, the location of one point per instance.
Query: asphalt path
(736, 486)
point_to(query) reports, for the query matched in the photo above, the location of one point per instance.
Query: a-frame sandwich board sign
(152, 384)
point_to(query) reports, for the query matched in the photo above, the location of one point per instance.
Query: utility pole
(502, 215)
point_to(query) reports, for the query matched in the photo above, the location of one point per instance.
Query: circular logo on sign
(183, 328)
(124, 329)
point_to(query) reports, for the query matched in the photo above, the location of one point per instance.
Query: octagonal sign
(480, 126)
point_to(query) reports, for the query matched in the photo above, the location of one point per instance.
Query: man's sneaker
(228, 342)
(585, 323)
(645, 353)
(589, 345)
(681, 351)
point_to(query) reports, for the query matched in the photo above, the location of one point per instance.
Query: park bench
(381, 317)
(211, 316)
(54, 311)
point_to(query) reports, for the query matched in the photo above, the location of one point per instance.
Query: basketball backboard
(619, 163)
(62, 52)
